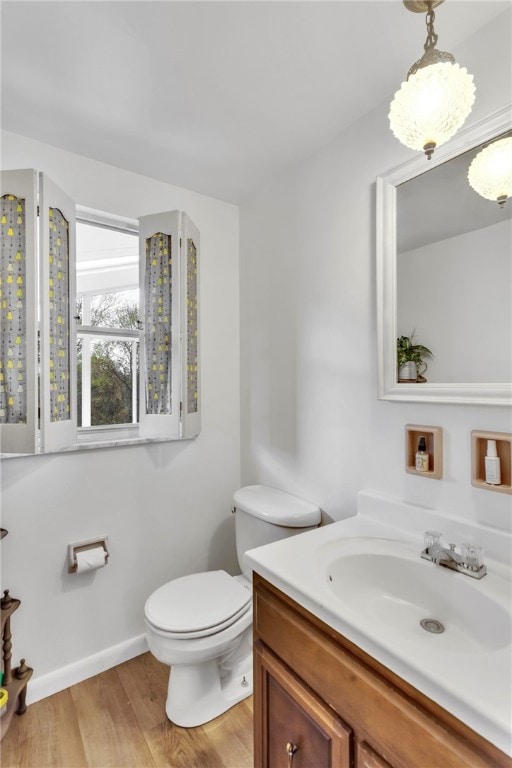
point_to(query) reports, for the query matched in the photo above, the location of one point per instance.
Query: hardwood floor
(117, 720)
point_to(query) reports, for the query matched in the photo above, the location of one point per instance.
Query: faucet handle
(473, 556)
(432, 539)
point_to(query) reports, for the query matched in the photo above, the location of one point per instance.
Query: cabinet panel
(295, 728)
(368, 758)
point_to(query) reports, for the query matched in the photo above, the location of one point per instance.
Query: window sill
(90, 440)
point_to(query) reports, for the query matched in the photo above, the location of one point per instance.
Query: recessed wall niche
(478, 452)
(434, 447)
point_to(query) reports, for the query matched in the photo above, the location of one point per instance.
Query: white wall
(464, 280)
(311, 421)
(167, 506)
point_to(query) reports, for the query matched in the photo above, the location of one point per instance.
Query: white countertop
(476, 687)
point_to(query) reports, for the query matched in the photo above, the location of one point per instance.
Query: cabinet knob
(290, 751)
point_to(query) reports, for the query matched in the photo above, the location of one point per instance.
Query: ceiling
(210, 96)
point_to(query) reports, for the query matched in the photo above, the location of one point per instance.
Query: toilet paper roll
(89, 559)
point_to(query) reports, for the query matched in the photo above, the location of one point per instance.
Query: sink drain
(432, 625)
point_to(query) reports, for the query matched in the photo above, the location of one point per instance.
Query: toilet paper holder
(82, 546)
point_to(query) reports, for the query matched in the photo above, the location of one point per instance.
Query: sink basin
(385, 586)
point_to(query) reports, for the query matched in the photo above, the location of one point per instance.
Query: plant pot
(408, 371)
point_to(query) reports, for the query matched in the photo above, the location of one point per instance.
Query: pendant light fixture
(490, 173)
(437, 96)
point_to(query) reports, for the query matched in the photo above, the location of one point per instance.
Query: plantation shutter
(58, 324)
(159, 257)
(38, 370)
(169, 348)
(18, 312)
(190, 363)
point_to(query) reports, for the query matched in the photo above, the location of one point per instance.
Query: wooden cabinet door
(368, 758)
(294, 727)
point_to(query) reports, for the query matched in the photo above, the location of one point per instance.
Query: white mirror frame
(388, 387)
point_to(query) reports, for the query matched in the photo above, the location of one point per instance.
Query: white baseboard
(53, 682)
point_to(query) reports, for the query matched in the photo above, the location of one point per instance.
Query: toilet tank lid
(276, 507)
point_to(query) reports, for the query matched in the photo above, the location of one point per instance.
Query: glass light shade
(490, 173)
(432, 105)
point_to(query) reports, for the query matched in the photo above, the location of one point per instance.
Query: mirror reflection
(454, 275)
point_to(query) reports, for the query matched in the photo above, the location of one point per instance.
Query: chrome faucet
(439, 554)
(469, 562)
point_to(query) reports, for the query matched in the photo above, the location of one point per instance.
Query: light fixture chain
(432, 37)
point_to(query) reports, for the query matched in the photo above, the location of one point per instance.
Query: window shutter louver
(190, 353)
(159, 405)
(18, 312)
(169, 357)
(58, 325)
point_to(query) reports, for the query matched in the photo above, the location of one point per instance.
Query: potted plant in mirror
(410, 358)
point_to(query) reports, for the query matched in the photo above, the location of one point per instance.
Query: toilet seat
(198, 605)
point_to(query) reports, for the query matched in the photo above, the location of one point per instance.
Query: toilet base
(200, 692)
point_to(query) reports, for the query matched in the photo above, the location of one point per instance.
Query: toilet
(201, 624)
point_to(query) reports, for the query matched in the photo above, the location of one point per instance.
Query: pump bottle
(492, 464)
(422, 458)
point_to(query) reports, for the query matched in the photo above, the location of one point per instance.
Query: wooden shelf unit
(14, 680)
(434, 440)
(479, 449)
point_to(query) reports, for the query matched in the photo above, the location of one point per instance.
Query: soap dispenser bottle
(492, 464)
(422, 459)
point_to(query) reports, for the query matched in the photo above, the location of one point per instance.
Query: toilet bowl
(207, 642)
(201, 624)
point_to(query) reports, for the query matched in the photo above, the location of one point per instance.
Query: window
(113, 341)
(107, 312)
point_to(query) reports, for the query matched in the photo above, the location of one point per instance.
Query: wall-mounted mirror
(444, 274)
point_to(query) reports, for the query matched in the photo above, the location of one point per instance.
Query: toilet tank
(265, 514)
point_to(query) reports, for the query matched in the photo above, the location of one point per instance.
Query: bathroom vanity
(319, 700)
(345, 673)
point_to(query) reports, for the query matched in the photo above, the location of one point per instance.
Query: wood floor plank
(175, 747)
(109, 728)
(46, 736)
(145, 682)
(231, 735)
(117, 720)
(225, 742)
